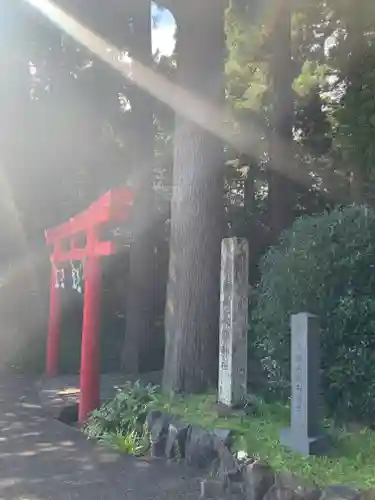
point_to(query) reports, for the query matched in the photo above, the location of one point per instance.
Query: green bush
(123, 415)
(323, 265)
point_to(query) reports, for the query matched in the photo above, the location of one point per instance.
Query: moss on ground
(352, 458)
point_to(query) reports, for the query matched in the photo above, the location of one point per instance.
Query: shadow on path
(40, 458)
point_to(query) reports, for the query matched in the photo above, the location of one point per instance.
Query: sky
(163, 33)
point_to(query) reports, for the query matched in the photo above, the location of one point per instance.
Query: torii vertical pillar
(90, 352)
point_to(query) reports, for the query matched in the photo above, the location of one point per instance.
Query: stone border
(232, 476)
(228, 476)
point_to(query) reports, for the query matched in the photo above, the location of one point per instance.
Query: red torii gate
(115, 205)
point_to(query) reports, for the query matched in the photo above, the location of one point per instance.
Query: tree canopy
(301, 71)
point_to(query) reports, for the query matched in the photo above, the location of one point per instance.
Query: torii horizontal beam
(112, 206)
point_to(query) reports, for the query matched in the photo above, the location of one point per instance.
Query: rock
(69, 414)
(300, 487)
(151, 418)
(354, 427)
(224, 411)
(200, 450)
(212, 489)
(366, 495)
(223, 437)
(159, 434)
(281, 493)
(258, 478)
(176, 439)
(339, 492)
(236, 490)
(228, 467)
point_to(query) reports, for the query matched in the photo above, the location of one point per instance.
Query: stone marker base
(317, 445)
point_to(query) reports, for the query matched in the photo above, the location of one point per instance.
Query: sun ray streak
(220, 121)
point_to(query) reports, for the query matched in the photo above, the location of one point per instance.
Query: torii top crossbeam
(114, 206)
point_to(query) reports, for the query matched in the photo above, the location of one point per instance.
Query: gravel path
(40, 458)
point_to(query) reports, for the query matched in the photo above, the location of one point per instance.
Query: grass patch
(352, 458)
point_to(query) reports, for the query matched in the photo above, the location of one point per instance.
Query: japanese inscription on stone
(298, 385)
(304, 435)
(233, 321)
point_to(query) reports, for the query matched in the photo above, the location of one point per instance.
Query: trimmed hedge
(324, 265)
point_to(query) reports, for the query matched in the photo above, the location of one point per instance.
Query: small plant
(130, 443)
(124, 414)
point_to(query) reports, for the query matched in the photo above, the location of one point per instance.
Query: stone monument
(233, 322)
(304, 433)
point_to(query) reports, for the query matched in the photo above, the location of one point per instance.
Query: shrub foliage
(324, 265)
(124, 415)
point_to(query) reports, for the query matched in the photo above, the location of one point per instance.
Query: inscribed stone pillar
(233, 321)
(304, 433)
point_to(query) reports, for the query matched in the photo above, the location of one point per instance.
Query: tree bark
(192, 309)
(356, 46)
(137, 348)
(281, 75)
(249, 186)
(356, 187)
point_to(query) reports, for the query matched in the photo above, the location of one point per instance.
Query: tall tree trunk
(137, 348)
(249, 184)
(251, 214)
(192, 309)
(356, 187)
(356, 44)
(281, 74)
